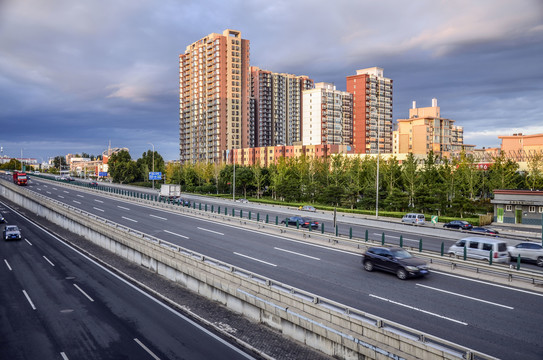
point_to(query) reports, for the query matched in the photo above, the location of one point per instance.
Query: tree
(503, 173)
(59, 161)
(410, 178)
(244, 178)
(258, 178)
(121, 168)
(534, 179)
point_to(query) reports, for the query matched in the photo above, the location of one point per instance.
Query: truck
(170, 191)
(20, 178)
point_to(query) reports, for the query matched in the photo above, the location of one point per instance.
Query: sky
(76, 76)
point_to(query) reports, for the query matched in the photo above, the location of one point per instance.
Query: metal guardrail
(331, 305)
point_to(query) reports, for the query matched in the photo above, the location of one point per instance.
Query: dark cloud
(74, 76)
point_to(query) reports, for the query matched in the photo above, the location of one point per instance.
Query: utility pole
(153, 165)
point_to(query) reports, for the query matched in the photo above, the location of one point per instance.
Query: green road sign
(434, 219)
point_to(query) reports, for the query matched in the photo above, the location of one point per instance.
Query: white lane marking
(100, 201)
(417, 309)
(77, 202)
(211, 231)
(252, 258)
(30, 301)
(29, 243)
(158, 217)
(49, 192)
(296, 253)
(66, 192)
(122, 207)
(124, 217)
(39, 189)
(465, 296)
(80, 195)
(95, 208)
(64, 357)
(60, 196)
(7, 264)
(49, 261)
(146, 349)
(395, 237)
(55, 188)
(84, 293)
(486, 283)
(169, 232)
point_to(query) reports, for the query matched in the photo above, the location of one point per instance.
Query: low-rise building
(518, 207)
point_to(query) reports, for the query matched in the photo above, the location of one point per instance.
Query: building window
(541, 209)
(507, 207)
(531, 209)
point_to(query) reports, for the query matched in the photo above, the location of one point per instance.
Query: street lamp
(153, 164)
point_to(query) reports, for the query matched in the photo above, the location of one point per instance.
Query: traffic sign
(155, 175)
(434, 219)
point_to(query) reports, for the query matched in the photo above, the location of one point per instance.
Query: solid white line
(84, 293)
(30, 301)
(252, 258)
(66, 192)
(465, 296)
(122, 207)
(80, 195)
(64, 356)
(487, 283)
(49, 192)
(29, 243)
(60, 196)
(77, 202)
(295, 253)
(146, 349)
(124, 217)
(183, 236)
(95, 208)
(158, 217)
(49, 261)
(100, 201)
(417, 309)
(211, 231)
(55, 188)
(7, 264)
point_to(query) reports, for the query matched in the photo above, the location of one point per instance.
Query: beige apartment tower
(214, 96)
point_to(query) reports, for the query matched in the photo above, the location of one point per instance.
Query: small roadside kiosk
(518, 206)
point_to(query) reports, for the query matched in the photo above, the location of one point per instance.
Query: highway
(56, 303)
(497, 320)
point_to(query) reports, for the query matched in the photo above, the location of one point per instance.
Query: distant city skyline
(74, 77)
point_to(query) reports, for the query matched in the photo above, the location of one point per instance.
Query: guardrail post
(401, 241)
(249, 215)
(206, 207)
(233, 212)
(366, 238)
(322, 228)
(465, 252)
(267, 218)
(257, 217)
(240, 213)
(218, 209)
(194, 205)
(420, 245)
(225, 210)
(212, 210)
(350, 233)
(199, 206)
(297, 224)
(442, 248)
(337, 230)
(518, 262)
(490, 258)
(276, 219)
(383, 238)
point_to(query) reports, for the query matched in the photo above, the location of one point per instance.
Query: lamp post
(377, 179)
(153, 164)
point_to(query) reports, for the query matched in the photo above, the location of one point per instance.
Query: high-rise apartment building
(277, 107)
(372, 110)
(426, 131)
(327, 116)
(214, 97)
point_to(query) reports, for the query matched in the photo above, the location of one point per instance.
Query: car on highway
(478, 247)
(2, 219)
(301, 221)
(528, 251)
(458, 224)
(485, 230)
(395, 260)
(183, 202)
(93, 184)
(307, 208)
(411, 218)
(243, 201)
(11, 232)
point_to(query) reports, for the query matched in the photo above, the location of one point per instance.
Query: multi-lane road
(497, 320)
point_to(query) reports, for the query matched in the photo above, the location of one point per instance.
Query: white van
(411, 218)
(479, 248)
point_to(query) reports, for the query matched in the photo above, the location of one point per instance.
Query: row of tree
(433, 185)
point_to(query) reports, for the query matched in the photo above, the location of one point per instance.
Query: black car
(395, 260)
(485, 230)
(301, 221)
(458, 224)
(93, 184)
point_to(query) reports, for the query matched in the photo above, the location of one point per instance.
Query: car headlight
(411, 268)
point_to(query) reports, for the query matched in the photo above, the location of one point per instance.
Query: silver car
(528, 251)
(11, 232)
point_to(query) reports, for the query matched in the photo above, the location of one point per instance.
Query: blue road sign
(102, 173)
(155, 175)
